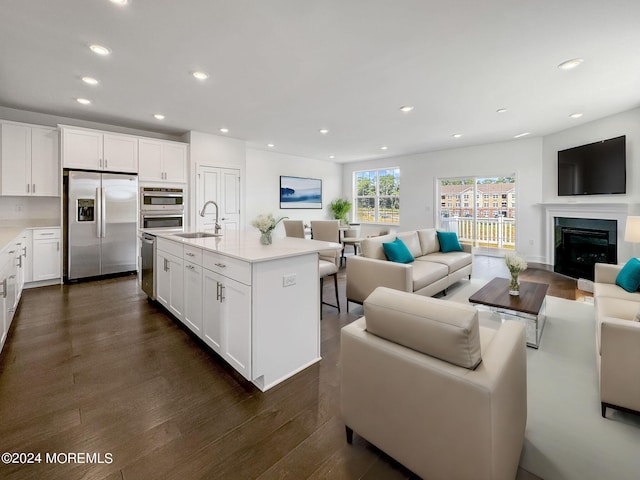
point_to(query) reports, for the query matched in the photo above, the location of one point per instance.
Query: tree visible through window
(377, 195)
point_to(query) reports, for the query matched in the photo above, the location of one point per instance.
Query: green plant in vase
(340, 208)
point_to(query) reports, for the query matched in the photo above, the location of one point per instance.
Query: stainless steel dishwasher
(148, 254)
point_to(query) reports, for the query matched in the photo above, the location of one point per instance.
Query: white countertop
(245, 245)
(9, 231)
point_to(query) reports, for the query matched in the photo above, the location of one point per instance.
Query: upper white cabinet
(162, 161)
(97, 150)
(30, 163)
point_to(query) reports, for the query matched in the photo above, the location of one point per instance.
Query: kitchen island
(257, 306)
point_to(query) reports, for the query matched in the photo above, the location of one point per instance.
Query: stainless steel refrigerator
(101, 223)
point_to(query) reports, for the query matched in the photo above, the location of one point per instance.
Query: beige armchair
(424, 383)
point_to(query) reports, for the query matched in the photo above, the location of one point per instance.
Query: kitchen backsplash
(23, 208)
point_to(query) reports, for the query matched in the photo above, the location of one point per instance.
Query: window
(377, 195)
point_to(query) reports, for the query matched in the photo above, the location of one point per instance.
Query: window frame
(377, 196)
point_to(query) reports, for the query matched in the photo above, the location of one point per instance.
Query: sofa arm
(466, 247)
(619, 357)
(365, 274)
(606, 273)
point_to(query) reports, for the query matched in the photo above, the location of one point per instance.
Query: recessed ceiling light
(570, 64)
(100, 50)
(456, 135)
(224, 130)
(270, 145)
(384, 147)
(523, 134)
(501, 110)
(332, 157)
(83, 101)
(158, 116)
(575, 115)
(406, 108)
(90, 80)
(120, 2)
(200, 75)
(323, 131)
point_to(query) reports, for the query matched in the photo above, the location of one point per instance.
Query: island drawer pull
(191, 254)
(221, 265)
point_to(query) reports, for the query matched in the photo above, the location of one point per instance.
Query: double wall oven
(162, 208)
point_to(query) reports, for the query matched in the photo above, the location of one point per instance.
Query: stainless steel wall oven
(162, 208)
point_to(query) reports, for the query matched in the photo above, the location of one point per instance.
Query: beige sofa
(431, 272)
(424, 383)
(617, 341)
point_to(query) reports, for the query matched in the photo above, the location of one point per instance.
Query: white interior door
(222, 185)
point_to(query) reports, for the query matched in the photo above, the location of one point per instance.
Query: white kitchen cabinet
(30, 162)
(193, 297)
(227, 320)
(162, 161)
(259, 308)
(170, 278)
(45, 262)
(97, 150)
(5, 273)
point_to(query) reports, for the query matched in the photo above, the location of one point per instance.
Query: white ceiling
(280, 70)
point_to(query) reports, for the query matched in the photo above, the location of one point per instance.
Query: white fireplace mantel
(602, 211)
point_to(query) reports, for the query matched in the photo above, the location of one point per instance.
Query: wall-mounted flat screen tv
(298, 192)
(595, 169)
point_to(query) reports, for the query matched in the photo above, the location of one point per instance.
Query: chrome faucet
(217, 227)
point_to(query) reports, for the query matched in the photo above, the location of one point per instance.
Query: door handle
(103, 218)
(34, 188)
(4, 288)
(28, 188)
(19, 261)
(218, 291)
(221, 292)
(98, 213)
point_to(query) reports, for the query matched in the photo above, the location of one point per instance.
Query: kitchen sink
(197, 235)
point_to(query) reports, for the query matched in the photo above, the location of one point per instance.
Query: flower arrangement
(266, 224)
(515, 263)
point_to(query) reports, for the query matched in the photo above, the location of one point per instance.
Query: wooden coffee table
(528, 306)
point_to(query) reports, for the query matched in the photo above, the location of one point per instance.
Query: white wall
(418, 174)
(263, 184)
(626, 123)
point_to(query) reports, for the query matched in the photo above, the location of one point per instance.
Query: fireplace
(582, 242)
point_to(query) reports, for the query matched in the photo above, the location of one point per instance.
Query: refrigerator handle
(98, 214)
(103, 217)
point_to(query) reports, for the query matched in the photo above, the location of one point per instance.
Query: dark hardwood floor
(95, 368)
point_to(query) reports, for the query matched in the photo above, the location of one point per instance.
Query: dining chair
(328, 231)
(294, 228)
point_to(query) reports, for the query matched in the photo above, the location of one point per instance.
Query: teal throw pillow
(397, 251)
(449, 242)
(629, 277)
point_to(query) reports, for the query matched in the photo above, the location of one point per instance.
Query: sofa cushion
(449, 242)
(397, 251)
(614, 291)
(428, 240)
(426, 273)
(445, 330)
(453, 260)
(629, 276)
(412, 242)
(372, 247)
